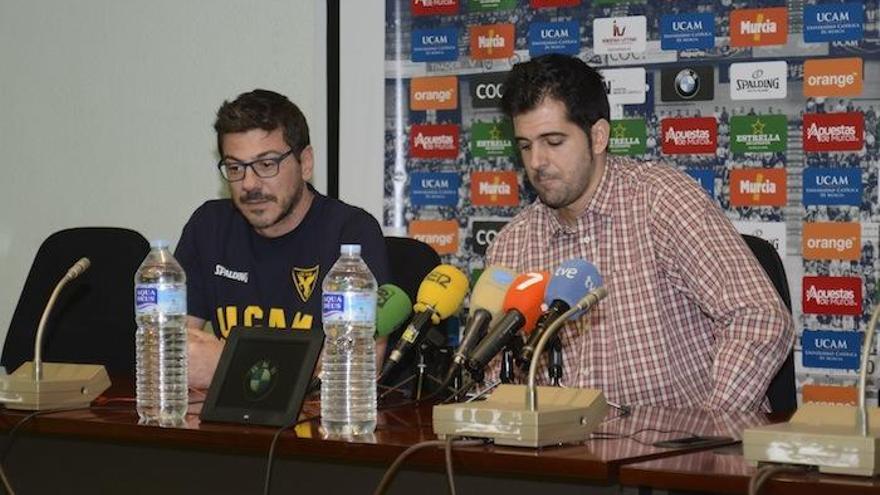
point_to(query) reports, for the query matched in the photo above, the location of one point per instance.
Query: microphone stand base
(563, 415)
(64, 385)
(824, 436)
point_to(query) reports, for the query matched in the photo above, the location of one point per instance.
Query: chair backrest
(410, 260)
(93, 318)
(782, 392)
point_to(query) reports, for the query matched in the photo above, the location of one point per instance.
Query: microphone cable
(447, 445)
(764, 473)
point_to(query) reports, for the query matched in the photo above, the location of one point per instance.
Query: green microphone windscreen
(393, 308)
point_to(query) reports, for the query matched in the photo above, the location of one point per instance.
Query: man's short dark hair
(567, 79)
(266, 110)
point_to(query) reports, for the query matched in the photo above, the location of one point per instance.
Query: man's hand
(203, 351)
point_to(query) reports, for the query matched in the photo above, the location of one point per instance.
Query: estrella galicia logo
(687, 32)
(260, 380)
(706, 178)
(554, 37)
(435, 45)
(832, 186)
(434, 188)
(834, 22)
(487, 89)
(484, 232)
(687, 83)
(830, 349)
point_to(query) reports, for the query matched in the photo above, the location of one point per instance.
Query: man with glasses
(259, 257)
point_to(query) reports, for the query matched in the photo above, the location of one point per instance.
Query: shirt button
(586, 239)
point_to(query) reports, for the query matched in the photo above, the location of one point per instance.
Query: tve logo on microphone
(433, 93)
(434, 188)
(834, 131)
(830, 349)
(758, 27)
(757, 187)
(442, 235)
(434, 45)
(832, 295)
(833, 77)
(484, 232)
(492, 41)
(687, 32)
(494, 188)
(487, 89)
(689, 135)
(832, 186)
(554, 37)
(433, 7)
(832, 241)
(434, 141)
(834, 22)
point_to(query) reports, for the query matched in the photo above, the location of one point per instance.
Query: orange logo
(433, 93)
(758, 27)
(757, 187)
(494, 189)
(827, 394)
(833, 77)
(832, 241)
(442, 235)
(492, 41)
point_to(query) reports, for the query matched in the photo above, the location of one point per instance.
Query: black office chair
(782, 392)
(93, 318)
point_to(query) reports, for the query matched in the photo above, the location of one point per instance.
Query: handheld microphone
(487, 300)
(393, 307)
(440, 295)
(522, 306)
(571, 281)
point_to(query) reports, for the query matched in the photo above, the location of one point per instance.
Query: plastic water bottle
(160, 341)
(348, 372)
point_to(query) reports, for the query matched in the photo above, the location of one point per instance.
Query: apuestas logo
(484, 233)
(554, 37)
(434, 45)
(759, 27)
(832, 295)
(834, 22)
(831, 349)
(434, 141)
(433, 93)
(833, 77)
(433, 7)
(487, 89)
(757, 187)
(442, 235)
(832, 241)
(491, 41)
(834, 131)
(832, 186)
(687, 32)
(494, 188)
(689, 135)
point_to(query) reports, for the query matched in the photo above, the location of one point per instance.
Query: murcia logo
(759, 27)
(304, 279)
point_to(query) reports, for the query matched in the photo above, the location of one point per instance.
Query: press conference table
(104, 450)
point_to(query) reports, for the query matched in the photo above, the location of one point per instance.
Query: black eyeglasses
(264, 167)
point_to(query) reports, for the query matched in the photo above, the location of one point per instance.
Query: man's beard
(286, 208)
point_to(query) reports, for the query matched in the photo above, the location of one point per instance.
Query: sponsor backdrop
(764, 103)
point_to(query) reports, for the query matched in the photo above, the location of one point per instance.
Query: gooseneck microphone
(74, 271)
(440, 296)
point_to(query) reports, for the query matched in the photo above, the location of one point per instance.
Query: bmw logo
(260, 380)
(687, 83)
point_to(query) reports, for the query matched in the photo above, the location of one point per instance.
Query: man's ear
(599, 135)
(307, 163)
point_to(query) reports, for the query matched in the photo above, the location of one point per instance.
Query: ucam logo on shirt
(833, 77)
(625, 86)
(757, 187)
(759, 80)
(554, 37)
(758, 27)
(832, 186)
(434, 188)
(434, 45)
(433, 93)
(433, 7)
(689, 135)
(434, 141)
(619, 34)
(832, 295)
(494, 188)
(442, 235)
(834, 22)
(834, 131)
(831, 349)
(492, 41)
(832, 241)
(772, 232)
(687, 32)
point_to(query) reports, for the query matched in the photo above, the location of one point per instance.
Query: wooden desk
(725, 470)
(104, 450)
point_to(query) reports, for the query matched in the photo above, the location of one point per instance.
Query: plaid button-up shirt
(691, 319)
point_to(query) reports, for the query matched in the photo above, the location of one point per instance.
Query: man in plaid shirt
(691, 319)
